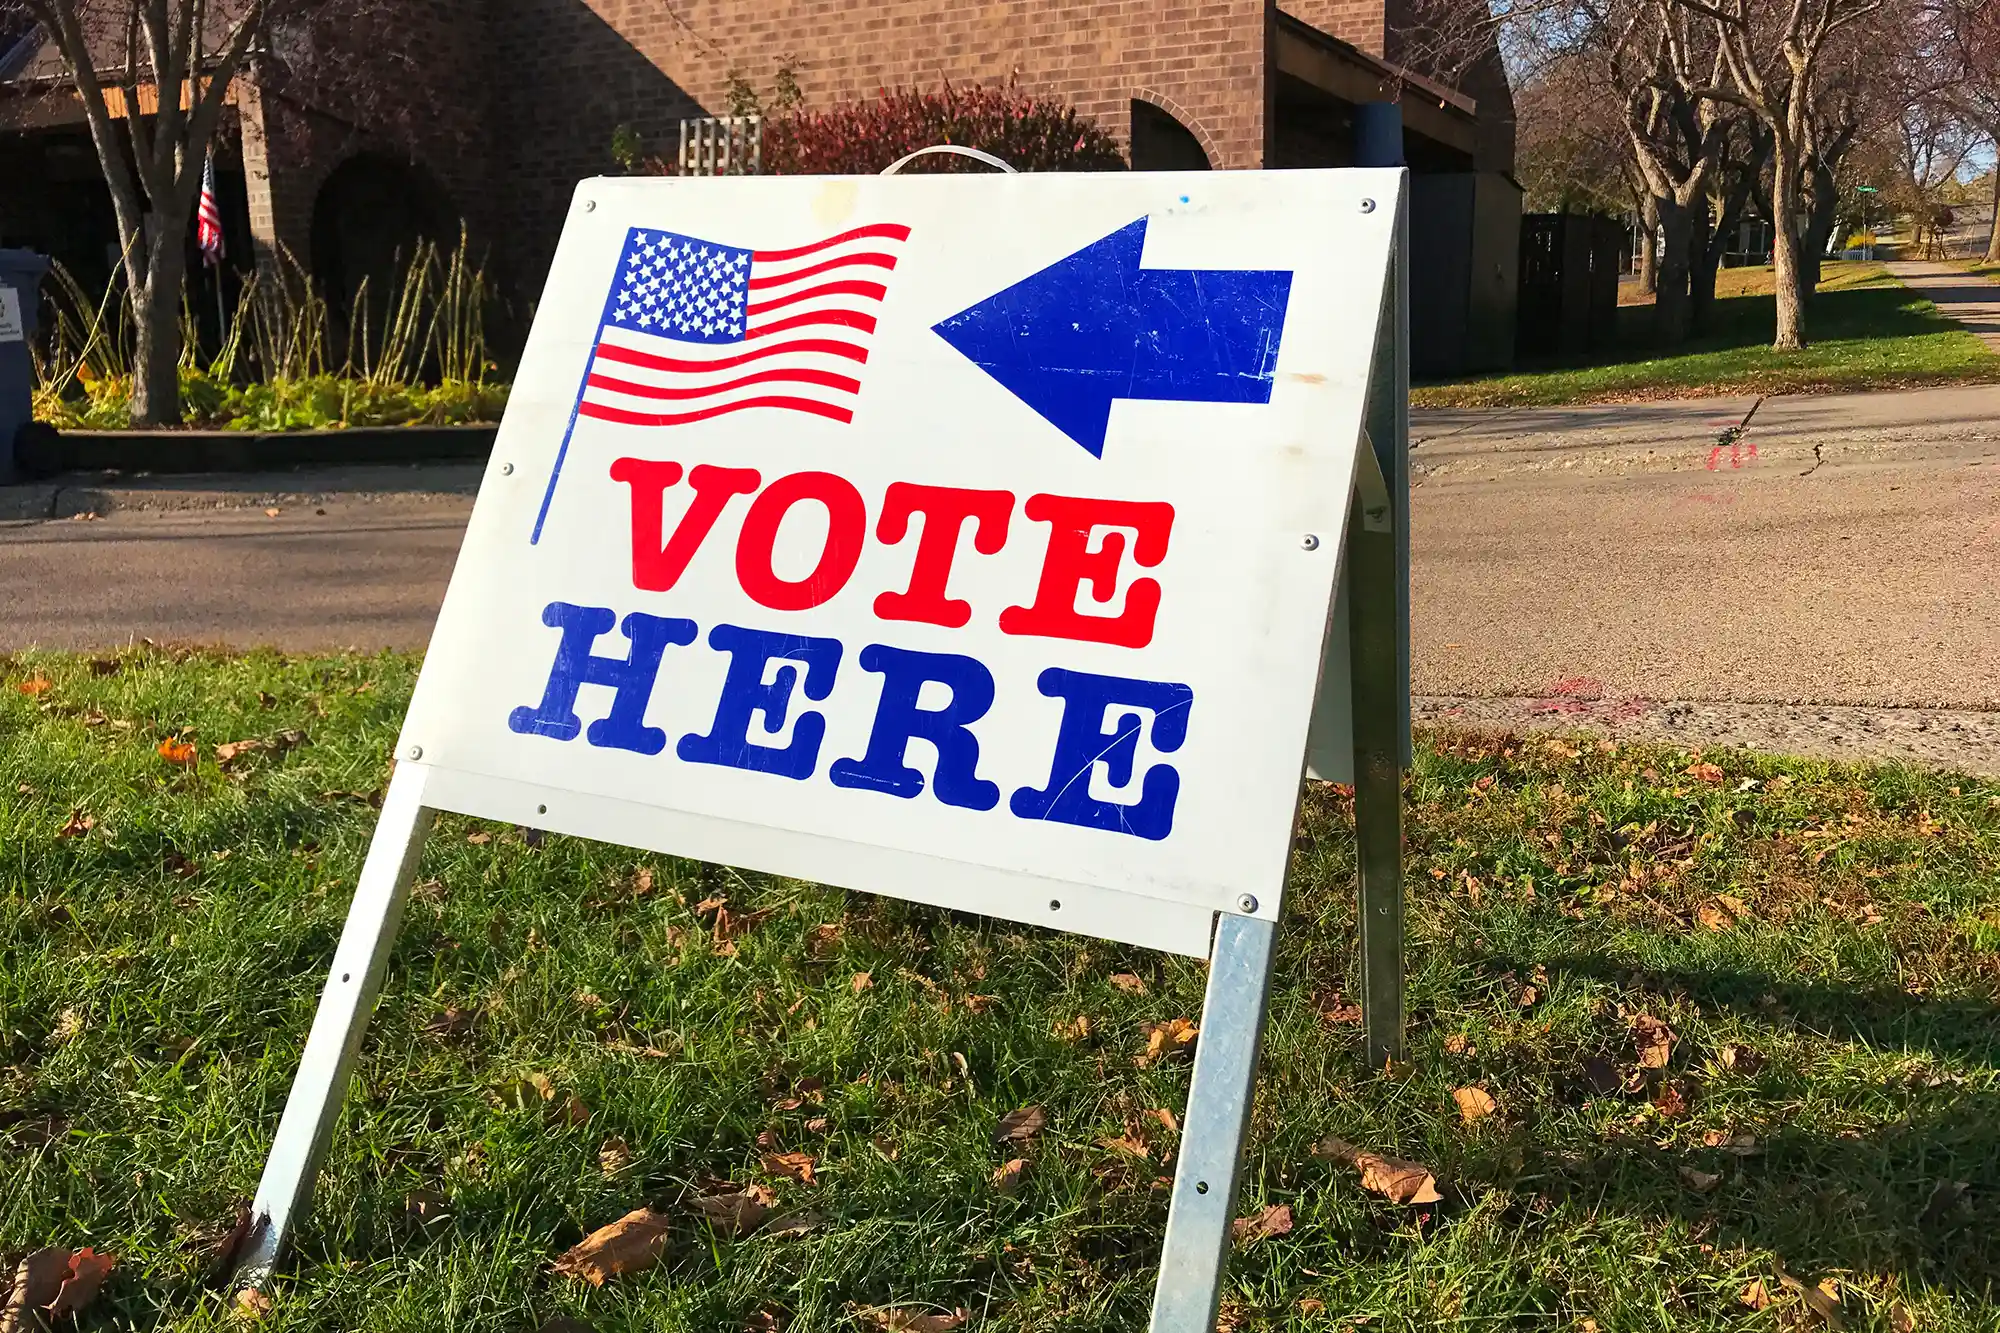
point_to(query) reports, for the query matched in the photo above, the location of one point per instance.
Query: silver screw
(1248, 902)
(590, 205)
(506, 469)
(1309, 542)
(1367, 205)
(416, 752)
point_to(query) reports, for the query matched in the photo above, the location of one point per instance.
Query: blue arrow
(1094, 326)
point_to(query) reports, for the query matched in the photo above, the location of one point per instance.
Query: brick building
(352, 138)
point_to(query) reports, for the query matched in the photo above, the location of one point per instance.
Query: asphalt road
(1831, 551)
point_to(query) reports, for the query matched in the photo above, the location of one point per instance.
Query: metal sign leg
(1218, 1114)
(359, 961)
(1378, 787)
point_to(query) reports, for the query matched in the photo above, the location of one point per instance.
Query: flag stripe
(893, 230)
(623, 416)
(872, 290)
(632, 356)
(795, 374)
(852, 319)
(867, 259)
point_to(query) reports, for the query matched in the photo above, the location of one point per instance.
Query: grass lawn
(1866, 331)
(571, 1031)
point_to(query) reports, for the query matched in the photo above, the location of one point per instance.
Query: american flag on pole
(693, 329)
(208, 216)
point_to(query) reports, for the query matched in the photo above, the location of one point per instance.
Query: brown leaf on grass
(1671, 1101)
(1701, 1181)
(1020, 1126)
(738, 1212)
(1755, 1295)
(34, 686)
(1165, 1040)
(1128, 1144)
(1713, 917)
(1166, 1119)
(1128, 982)
(1457, 1044)
(764, 1320)
(1075, 1029)
(525, 1091)
(1474, 1104)
(452, 1024)
(1741, 1059)
(1008, 1177)
(1822, 1297)
(979, 1004)
(425, 1208)
(230, 751)
(794, 1165)
(1901, 1319)
(36, 1282)
(632, 1244)
(795, 1224)
(1655, 1041)
(614, 1156)
(906, 1319)
(1337, 1010)
(1392, 1178)
(252, 1305)
(176, 751)
(1733, 1143)
(1705, 772)
(571, 1111)
(862, 981)
(479, 839)
(1271, 1220)
(78, 825)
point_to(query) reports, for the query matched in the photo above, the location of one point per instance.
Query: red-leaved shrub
(1028, 133)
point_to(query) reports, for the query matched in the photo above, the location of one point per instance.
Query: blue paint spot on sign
(1094, 326)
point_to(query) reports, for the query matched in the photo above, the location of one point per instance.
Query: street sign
(973, 540)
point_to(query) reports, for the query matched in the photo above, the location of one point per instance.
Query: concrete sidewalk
(1971, 300)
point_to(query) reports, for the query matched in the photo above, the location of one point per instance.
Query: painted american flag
(208, 216)
(695, 329)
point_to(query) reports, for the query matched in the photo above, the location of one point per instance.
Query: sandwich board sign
(976, 540)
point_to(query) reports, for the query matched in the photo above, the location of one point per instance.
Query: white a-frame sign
(995, 542)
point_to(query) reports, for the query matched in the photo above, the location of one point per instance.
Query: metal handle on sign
(957, 150)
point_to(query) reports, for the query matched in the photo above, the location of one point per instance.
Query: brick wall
(578, 68)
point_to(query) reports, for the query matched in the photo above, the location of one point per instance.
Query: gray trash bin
(20, 295)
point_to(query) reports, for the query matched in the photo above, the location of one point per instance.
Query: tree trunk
(1705, 252)
(1822, 212)
(1646, 260)
(1785, 258)
(1993, 227)
(1670, 302)
(156, 318)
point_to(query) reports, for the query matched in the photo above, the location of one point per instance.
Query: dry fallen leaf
(796, 1165)
(1076, 1029)
(35, 685)
(1166, 1119)
(572, 1111)
(479, 839)
(1822, 1298)
(1742, 1059)
(1126, 981)
(1901, 1319)
(1271, 1220)
(1713, 917)
(1705, 772)
(1755, 1294)
(614, 1156)
(1128, 1143)
(78, 825)
(1165, 1040)
(177, 752)
(632, 1244)
(738, 1212)
(1007, 1178)
(1474, 1103)
(795, 1224)
(862, 981)
(1457, 1044)
(230, 751)
(1020, 1126)
(1395, 1180)
(1701, 1181)
(271, 513)
(902, 1319)
(1655, 1041)
(252, 1304)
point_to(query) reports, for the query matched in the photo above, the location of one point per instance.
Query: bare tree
(180, 55)
(1773, 51)
(1664, 62)
(1973, 69)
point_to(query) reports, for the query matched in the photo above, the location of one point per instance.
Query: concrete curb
(180, 451)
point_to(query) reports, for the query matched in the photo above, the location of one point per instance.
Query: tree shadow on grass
(1917, 1195)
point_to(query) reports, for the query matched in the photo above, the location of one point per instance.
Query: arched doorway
(368, 217)
(1161, 143)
